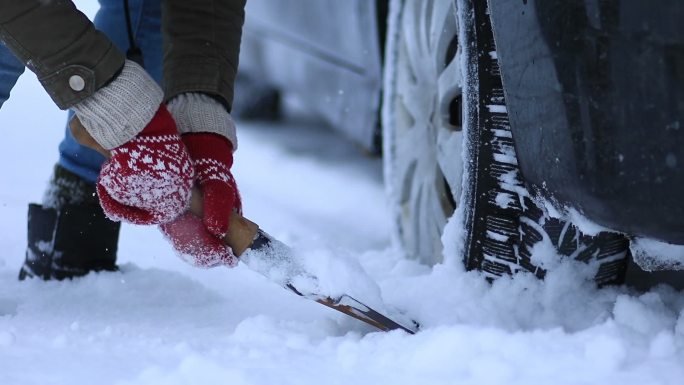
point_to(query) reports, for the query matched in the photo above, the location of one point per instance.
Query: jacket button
(76, 83)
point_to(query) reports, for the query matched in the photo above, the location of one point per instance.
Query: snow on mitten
(147, 180)
(149, 177)
(195, 245)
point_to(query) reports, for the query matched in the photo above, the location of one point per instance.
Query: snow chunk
(496, 108)
(503, 200)
(651, 254)
(584, 224)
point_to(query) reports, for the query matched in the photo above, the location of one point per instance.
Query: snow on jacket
(72, 59)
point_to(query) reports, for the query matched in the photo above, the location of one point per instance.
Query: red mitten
(148, 180)
(198, 241)
(212, 157)
(195, 244)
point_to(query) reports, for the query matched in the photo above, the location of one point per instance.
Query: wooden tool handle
(242, 230)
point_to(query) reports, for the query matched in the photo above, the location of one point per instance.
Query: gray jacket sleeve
(57, 42)
(201, 46)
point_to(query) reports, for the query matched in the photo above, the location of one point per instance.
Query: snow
(584, 224)
(558, 210)
(160, 321)
(651, 254)
(497, 108)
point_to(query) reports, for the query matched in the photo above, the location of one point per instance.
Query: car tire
(449, 152)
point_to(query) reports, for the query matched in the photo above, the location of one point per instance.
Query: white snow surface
(160, 321)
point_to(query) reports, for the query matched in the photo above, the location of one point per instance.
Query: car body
(327, 53)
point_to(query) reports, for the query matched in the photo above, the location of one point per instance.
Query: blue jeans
(111, 20)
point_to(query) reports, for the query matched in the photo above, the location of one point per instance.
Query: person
(167, 125)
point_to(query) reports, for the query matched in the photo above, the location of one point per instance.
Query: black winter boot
(69, 235)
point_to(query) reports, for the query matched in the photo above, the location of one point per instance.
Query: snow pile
(150, 326)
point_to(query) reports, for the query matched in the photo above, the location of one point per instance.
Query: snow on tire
(448, 144)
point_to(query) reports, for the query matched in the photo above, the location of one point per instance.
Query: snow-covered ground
(160, 321)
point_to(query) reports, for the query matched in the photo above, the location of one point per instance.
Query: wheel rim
(424, 159)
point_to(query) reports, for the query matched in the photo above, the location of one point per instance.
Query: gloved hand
(147, 180)
(212, 156)
(195, 245)
(206, 127)
(149, 177)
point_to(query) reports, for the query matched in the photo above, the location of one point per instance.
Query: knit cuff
(117, 112)
(198, 112)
